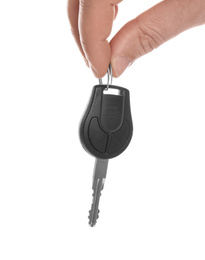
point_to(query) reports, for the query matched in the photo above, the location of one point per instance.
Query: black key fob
(106, 127)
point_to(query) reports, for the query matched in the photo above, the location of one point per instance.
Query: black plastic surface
(106, 127)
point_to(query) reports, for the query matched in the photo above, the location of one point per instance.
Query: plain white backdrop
(153, 202)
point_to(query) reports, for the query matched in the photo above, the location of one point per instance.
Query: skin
(91, 24)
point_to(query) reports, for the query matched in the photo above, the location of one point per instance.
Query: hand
(91, 23)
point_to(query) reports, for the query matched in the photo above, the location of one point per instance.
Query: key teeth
(94, 212)
(89, 216)
(92, 224)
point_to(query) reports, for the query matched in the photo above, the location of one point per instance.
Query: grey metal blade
(98, 184)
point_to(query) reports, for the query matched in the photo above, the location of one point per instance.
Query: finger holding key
(91, 23)
(152, 28)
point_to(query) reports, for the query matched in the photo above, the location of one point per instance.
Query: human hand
(91, 24)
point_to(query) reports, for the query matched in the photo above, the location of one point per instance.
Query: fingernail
(120, 64)
(86, 62)
(93, 70)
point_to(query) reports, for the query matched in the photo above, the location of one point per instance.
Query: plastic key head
(106, 127)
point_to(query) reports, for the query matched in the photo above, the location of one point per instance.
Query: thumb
(152, 28)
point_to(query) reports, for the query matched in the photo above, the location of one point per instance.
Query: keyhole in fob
(112, 91)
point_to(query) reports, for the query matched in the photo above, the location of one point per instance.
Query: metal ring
(109, 81)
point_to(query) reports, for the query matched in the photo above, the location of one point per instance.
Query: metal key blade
(98, 184)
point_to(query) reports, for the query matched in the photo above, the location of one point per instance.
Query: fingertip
(86, 62)
(99, 73)
(99, 59)
(94, 71)
(119, 65)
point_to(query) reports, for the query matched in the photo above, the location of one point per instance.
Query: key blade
(100, 170)
(94, 212)
(98, 184)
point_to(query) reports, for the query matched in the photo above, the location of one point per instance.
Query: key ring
(109, 81)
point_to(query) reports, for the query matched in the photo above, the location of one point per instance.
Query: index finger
(95, 25)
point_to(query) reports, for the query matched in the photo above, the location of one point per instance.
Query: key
(105, 132)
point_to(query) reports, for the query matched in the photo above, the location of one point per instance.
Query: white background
(152, 206)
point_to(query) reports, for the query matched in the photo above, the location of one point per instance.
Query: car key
(105, 132)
